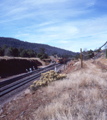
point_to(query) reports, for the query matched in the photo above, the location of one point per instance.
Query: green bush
(20, 52)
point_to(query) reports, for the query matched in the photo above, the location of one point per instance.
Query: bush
(1, 52)
(20, 52)
(24, 54)
(44, 56)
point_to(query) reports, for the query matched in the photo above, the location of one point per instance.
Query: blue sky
(67, 24)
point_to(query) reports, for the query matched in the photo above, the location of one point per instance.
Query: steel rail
(11, 80)
(18, 84)
(21, 80)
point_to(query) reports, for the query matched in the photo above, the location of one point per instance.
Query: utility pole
(81, 58)
(106, 53)
(64, 61)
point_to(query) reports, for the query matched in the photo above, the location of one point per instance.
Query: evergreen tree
(24, 53)
(42, 54)
(12, 52)
(1, 52)
(91, 53)
(31, 53)
(42, 50)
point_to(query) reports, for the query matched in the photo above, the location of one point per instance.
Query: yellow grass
(46, 78)
(81, 96)
(8, 58)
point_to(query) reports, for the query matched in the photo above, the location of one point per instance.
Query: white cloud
(21, 35)
(16, 11)
(74, 35)
(63, 41)
(67, 23)
(60, 30)
(46, 23)
(58, 8)
(38, 2)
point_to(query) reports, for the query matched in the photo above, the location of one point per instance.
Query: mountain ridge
(35, 46)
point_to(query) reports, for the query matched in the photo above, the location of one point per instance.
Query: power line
(94, 51)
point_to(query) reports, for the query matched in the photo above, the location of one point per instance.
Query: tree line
(21, 52)
(88, 54)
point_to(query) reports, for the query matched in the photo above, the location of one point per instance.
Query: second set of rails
(12, 84)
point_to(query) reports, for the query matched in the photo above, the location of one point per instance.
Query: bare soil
(10, 66)
(24, 107)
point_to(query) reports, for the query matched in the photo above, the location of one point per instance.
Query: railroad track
(11, 80)
(14, 83)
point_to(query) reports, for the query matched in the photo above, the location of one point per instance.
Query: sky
(67, 24)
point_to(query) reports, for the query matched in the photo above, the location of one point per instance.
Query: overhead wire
(96, 50)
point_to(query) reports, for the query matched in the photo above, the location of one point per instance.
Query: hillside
(80, 96)
(23, 65)
(35, 46)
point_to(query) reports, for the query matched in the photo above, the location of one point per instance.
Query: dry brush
(46, 78)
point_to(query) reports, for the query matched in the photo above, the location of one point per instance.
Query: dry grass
(45, 79)
(22, 58)
(81, 96)
(103, 60)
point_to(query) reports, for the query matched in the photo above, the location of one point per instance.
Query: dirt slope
(81, 96)
(14, 65)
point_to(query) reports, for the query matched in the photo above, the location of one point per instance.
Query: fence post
(106, 53)
(81, 58)
(64, 62)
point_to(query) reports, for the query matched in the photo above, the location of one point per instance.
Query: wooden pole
(64, 62)
(81, 58)
(106, 53)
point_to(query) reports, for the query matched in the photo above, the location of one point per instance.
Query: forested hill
(26, 45)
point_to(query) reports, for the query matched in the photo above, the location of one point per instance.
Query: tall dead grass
(81, 96)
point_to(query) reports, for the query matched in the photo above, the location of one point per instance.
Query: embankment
(14, 65)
